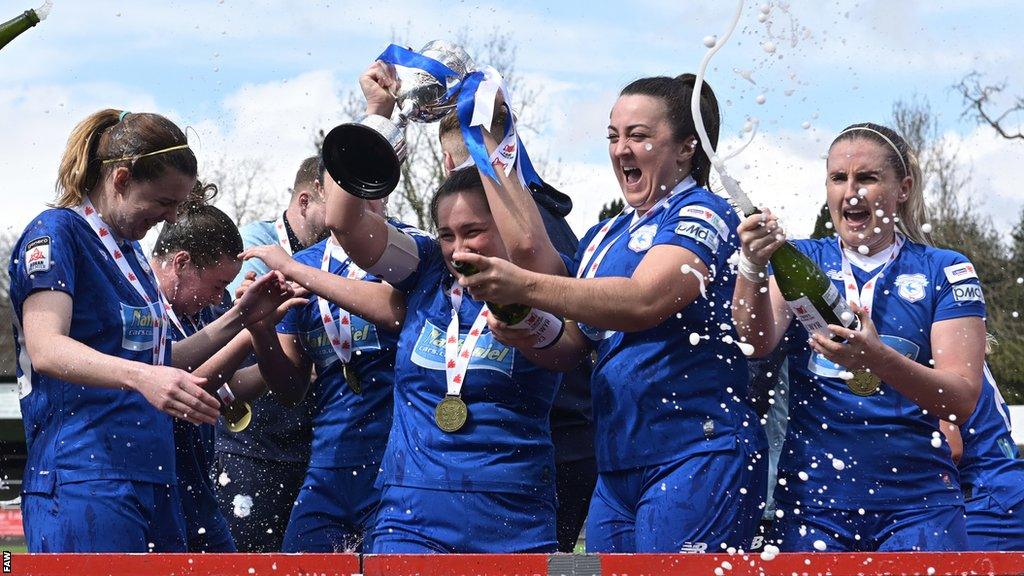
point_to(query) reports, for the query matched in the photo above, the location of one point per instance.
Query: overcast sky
(254, 80)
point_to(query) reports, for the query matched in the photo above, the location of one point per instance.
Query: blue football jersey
(76, 432)
(680, 387)
(875, 452)
(990, 463)
(505, 445)
(349, 429)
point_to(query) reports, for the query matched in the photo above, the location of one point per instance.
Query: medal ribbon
(282, 235)
(456, 358)
(590, 269)
(340, 332)
(156, 309)
(401, 56)
(866, 297)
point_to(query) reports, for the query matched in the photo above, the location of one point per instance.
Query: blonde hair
(912, 212)
(147, 144)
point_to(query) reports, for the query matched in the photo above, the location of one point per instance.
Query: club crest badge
(911, 286)
(643, 238)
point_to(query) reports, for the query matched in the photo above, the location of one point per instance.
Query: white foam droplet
(862, 192)
(769, 47)
(223, 479)
(760, 99)
(769, 553)
(802, 475)
(687, 269)
(936, 442)
(879, 212)
(694, 338)
(863, 249)
(926, 228)
(829, 225)
(931, 571)
(876, 230)
(819, 545)
(709, 41)
(762, 18)
(806, 125)
(846, 316)
(719, 571)
(746, 349)
(854, 201)
(648, 146)
(1020, 280)
(845, 375)
(838, 464)
(242, 505)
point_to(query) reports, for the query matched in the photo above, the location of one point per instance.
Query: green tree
(610, 209)
(823, 224)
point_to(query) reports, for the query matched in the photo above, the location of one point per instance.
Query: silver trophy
(365, 157)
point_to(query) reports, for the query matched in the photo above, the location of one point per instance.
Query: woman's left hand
(271, 254)
(520, 338)
(862, 349)
(497, 280)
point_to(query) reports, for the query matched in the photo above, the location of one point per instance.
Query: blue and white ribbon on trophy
(401, 56)
(475, 107)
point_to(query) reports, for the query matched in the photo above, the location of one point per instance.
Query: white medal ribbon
(590, 269)
(456, 358)
(866, 296)
(282, 235)
(339, 333)
(506, 155)
(156, 309)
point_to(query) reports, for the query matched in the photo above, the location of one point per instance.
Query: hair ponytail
(79, 167)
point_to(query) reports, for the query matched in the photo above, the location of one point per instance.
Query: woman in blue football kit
(97, 378)
(469, 464)
(991, 473)
(354, 358)
(680, 452)
(862, 467)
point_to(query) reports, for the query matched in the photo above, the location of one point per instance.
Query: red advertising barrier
(10, 523)
(861, 564)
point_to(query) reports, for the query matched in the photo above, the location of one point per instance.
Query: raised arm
(518, 220)
(759, 311)
(47, 325)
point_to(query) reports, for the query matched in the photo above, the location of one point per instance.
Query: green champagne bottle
(811, 296)
(12, 28)
(545, 328)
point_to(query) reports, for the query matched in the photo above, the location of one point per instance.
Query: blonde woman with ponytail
(97, 378)
(863, 467)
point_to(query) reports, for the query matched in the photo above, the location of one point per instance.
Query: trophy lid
(420, 96)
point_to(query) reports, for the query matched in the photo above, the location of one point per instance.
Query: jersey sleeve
(290, 322)
(959, 289)
(700, 229)
(44, 258)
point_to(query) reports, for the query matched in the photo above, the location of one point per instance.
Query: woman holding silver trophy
(471, 440)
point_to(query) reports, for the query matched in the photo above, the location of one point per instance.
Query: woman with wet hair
(99, 383)
(679, 450)
(863, 467)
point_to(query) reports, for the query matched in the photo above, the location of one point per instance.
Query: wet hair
(202, 230)
(450, 131)
(463, 180)
(309, 172)
(675, 93)
(912, 212)
(110, 138)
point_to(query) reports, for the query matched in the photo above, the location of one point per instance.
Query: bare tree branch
(977, 97)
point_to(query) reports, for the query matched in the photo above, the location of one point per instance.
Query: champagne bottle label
(546, 328)
(809, 316)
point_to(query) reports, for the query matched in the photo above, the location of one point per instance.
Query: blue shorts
(206, 529)
(994, 527)
(334, 510)
(424, 521)
(104, 516)
(703, 502)
(932, 529)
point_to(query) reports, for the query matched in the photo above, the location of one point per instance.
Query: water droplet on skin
(709, 41)
(760, 99)
(863, 249)
(819, 545)
(648, 146)
(926, 228)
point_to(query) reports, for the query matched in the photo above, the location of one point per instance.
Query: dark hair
(202, 230)
(111, 138)
(449, 126)
(912, 212)
(675, 93)
(308, 174)
(463, 180)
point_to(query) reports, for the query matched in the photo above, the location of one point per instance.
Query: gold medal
(352, 379)
(451, 413)
(863, 383)
(237, 416)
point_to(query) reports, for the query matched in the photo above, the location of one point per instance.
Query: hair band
(154, 153)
